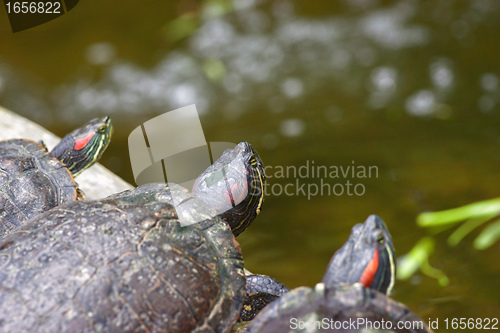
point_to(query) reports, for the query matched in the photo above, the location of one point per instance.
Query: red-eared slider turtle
(366, 258)
(32, 180)
(229, 175)
(132, 262)
(353, 295)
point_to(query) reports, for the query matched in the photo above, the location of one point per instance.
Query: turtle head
(84, 146)
(234, 186)
(367, 258)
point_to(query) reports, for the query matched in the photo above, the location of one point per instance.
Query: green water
(409, 88)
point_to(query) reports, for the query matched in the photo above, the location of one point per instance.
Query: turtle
(152, 259)
(353, 294)
(243, 196)
(367, 258)
(32, 180)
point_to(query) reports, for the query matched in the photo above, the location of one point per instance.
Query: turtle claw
(41, 143)
(260, 291)
(80, 195)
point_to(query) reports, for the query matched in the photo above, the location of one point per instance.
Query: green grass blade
(418, 257)
(488, 236)
(467, 227)
(454, 215)
(412, 261)
(433, 272)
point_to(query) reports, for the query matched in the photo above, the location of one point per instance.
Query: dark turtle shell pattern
(122, 264)
(342, 309)
(31, 182)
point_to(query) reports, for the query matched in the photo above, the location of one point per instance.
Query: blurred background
(411, 87)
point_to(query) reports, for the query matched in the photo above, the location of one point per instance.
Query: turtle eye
(377, 237)
(380, 238)
(102, 129)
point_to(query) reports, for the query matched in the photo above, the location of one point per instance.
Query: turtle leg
(80, 195)
(260, 291)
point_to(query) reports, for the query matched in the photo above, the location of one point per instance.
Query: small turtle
(367, 258)
(239, 177)
(136, 261)
(32, 180)
(353, 295)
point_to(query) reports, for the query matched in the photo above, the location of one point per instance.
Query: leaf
(433, 272)
(214, 69)
(488, 236)
(412, 261)
(216, 8)
(181, 27)
(454, 215)
(467, 227)
(417, 258)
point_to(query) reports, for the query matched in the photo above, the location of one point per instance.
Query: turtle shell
(31, 182)
(123, 264)
(343, 309)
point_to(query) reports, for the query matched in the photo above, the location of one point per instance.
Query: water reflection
(422, 103)
(392, 28)
(489, 82)
(441, 73)
(384, 84)
(254, 49)
(292, 127)
(490, 98)
(277, 56)
(100, 53)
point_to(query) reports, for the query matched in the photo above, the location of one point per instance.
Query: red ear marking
(80, 143)
(241, 193)
(234, 194)
(370, 270)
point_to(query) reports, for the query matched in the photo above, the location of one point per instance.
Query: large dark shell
(31, 182)
(294, 311)
(122, 264)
